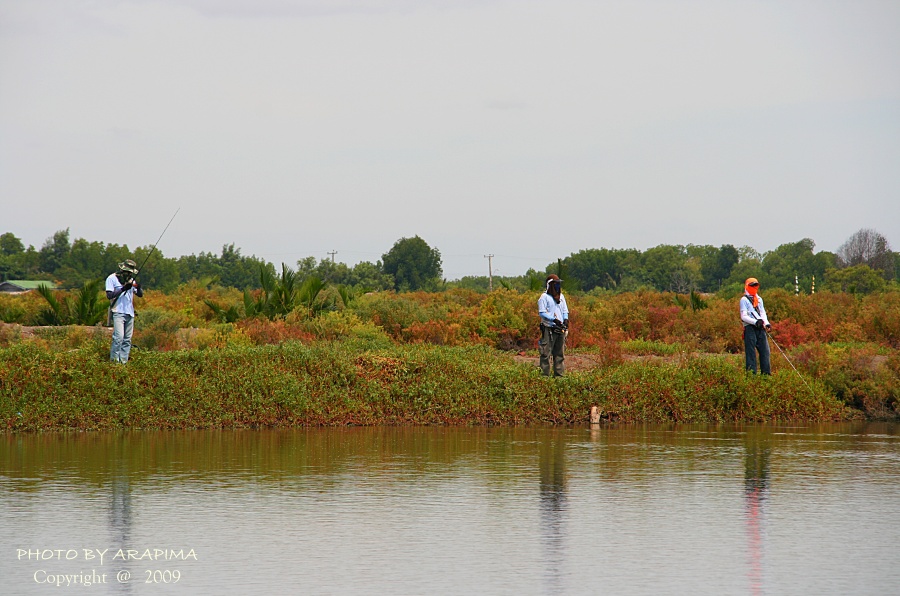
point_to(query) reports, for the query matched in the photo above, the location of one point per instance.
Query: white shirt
(749, 315)
(550, 310)
(125, 302)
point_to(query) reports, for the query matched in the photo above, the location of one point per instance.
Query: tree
(857, 279)
(867, 247)
(10, 244)
(237, 270)
(665, 268)
(231, 269)
(85, 308)
(364, 276)
(598, 267)
(371, 276)
(55, 251)
(716, 265)
(780, 266)
(413, 264)
(12, 252)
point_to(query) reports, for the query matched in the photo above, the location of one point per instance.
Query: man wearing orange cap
(554, 315)
(756, 323)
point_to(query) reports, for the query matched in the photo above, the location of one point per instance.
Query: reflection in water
(120, 517)
(756, 489)
(552, 463)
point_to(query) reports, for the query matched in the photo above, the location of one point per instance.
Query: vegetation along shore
(454, 357)
(397, 345)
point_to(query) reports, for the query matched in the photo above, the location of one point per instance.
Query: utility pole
(490, 273)
(332, 253)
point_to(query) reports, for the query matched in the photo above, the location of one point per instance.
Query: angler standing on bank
(121, 287)
(756, 323)
(554, 327)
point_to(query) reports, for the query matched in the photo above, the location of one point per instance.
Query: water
(618, 510)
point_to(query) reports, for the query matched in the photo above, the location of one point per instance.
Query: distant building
(17, 286)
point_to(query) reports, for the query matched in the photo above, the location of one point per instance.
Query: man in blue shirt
(554, 327)
(121, 287)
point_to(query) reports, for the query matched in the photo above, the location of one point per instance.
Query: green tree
(231, 269)
(370, 276)
(280, 295)
(780, 266)
(363, 276)
(856, 279)
(11, 257)
(55, 251)
(665, 267)
(716, 265)
(89, 305)
(599, 267)
(85, 308)
(237, 270)
(413, 264)
(10, 245)
(749, 265)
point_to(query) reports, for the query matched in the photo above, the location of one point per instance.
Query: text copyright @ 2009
(150, 576)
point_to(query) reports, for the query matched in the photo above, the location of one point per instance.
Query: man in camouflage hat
(121, 287)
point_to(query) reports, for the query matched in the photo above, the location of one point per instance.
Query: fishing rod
(116, 299)
(791, 363)
(147, 258)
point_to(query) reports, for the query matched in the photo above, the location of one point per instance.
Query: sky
(527, 130)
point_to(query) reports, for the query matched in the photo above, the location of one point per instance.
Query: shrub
(9, 334)
(265, 332)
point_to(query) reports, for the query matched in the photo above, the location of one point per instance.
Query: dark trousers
(755, 340)
(552, 345)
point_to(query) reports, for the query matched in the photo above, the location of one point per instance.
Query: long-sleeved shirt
(750, 315)
(550, 310)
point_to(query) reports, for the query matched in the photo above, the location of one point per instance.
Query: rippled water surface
(615, 510)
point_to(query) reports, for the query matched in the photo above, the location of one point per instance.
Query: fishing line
(791, 363)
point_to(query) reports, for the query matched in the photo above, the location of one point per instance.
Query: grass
(361, 382)
(653, 348)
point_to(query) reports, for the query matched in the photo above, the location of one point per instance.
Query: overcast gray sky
(525, 129)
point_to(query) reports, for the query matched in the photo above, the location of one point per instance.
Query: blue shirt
(550, 310)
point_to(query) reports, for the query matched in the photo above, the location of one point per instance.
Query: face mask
(753, 292)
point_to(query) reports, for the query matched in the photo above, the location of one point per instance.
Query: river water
(574, 510)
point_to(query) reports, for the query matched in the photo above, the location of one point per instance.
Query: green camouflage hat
(128, 266)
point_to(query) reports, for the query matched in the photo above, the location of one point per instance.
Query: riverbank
(359, 382)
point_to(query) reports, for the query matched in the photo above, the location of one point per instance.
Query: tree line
(865, 263)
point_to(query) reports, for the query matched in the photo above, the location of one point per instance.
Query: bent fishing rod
(152, 250)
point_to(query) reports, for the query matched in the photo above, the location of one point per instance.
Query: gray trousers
(552, 345)
(755, 340)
